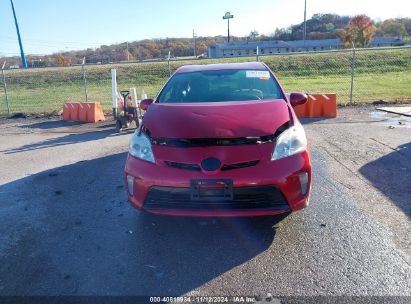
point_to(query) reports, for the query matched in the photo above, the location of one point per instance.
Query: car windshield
(220, 85)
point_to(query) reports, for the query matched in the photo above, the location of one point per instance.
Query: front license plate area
(211, 190)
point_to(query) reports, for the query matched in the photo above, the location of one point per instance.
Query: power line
(52, 41)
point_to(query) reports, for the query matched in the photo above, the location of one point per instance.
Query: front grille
(195, 167)
(244, 198)
(240, 165)
(210, 142)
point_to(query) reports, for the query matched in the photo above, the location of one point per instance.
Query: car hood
(216, 120)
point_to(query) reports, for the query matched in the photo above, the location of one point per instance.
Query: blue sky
(53, 25)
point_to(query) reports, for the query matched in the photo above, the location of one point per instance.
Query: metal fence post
(5, 89)
(352, 71)
(168, 63)
(84, 79)
(258, 52)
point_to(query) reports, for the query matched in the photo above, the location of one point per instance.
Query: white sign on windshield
(258, 74)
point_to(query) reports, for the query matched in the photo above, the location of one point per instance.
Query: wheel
(118, 126)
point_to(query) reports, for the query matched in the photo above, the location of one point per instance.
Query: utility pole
(128, 52)
(195, 44)
(305, 21)
(84, 78)
(168, 62)
(352, 71)
(228, 16)
(23, 57)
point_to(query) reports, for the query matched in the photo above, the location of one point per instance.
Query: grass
(380, 74)
(391, 86)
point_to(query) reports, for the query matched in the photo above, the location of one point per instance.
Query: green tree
(392, 28)
(254, 34)
(407, 24)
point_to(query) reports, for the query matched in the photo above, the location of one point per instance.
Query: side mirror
(145, 103)
(297, 99)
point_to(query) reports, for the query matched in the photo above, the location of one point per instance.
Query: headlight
(290, 142)
(140, 147)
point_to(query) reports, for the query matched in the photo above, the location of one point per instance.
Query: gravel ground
(67, 229)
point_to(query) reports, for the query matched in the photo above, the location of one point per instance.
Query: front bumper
(164, 190)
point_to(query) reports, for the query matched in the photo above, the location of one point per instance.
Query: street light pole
(228, 30)
(23, 57)
(228, 16)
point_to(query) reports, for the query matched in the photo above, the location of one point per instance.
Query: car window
(221, 85)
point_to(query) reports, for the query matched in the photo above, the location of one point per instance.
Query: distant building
(38, 63)
(386, 41)
(236, 49)
(315, 45)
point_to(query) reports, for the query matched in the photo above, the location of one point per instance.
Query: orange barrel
(70, 111)
(74, 111)
(82, 112)
(329, 108)
(66, 111)
(94, 112)
(301, 110)
(314, 105)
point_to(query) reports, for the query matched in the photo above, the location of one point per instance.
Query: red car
(220, 140)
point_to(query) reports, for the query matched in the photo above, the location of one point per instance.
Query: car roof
(222, 66)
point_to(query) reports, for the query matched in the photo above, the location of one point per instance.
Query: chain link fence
(357, 76)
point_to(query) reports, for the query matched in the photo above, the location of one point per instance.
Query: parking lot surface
(67, 228)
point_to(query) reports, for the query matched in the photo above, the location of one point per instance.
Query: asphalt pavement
(67, 228)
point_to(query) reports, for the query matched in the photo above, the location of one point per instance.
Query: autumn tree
(360, 31)
(128, 55)
(345, 37)
(29, 58)
(61, 60)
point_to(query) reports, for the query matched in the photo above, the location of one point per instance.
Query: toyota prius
(220, 140)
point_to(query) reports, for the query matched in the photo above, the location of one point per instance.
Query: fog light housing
(130, 184)
(303, 182)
